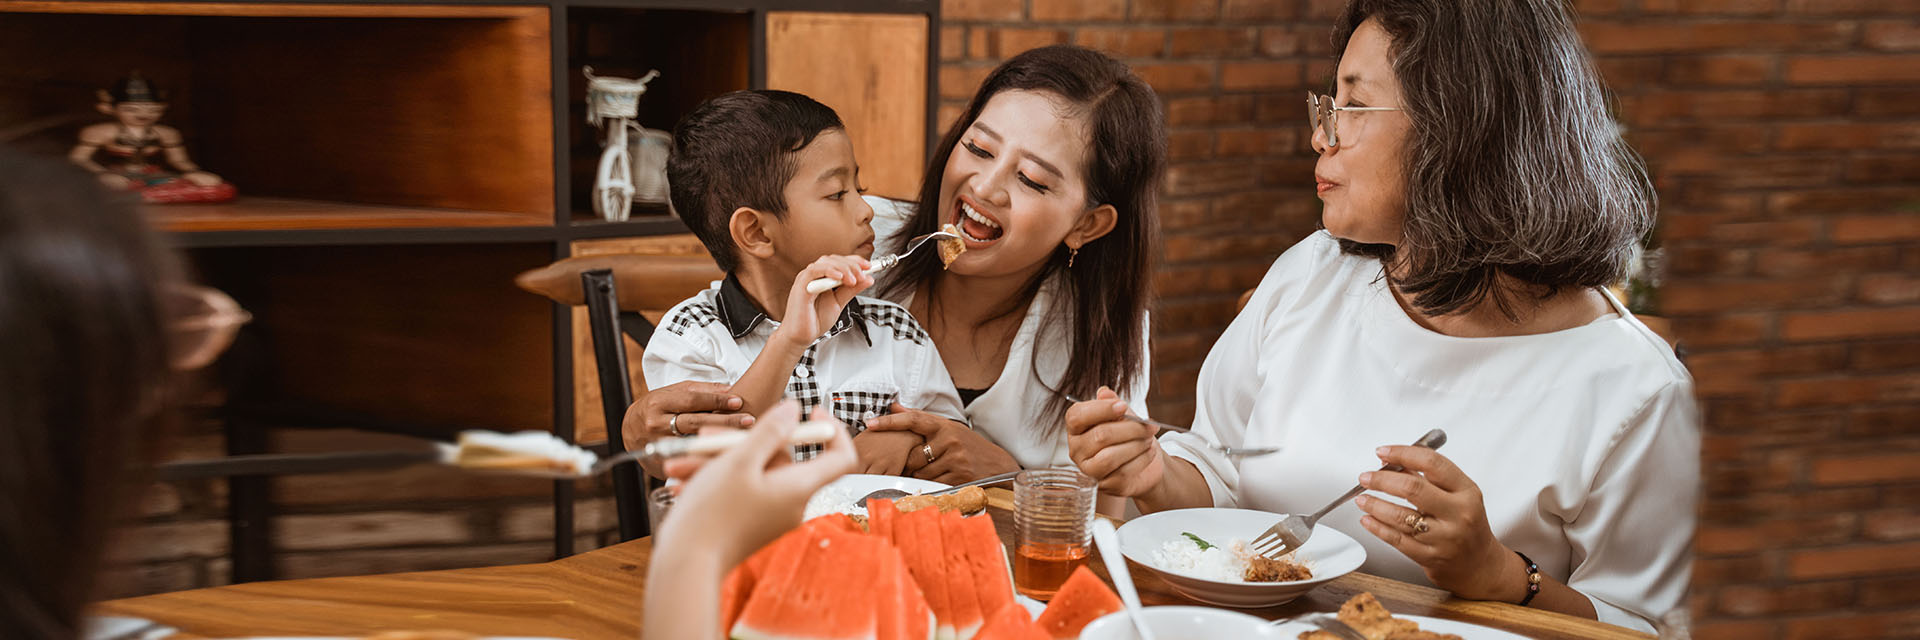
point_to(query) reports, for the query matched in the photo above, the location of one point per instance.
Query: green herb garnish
(1204, 545)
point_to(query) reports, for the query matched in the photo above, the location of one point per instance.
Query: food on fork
(951, 248)
(521, 451)
(1367, 616)
(967, 500)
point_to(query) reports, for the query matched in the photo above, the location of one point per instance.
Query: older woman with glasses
(1477, 199)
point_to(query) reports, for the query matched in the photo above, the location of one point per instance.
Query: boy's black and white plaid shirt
(874, 355)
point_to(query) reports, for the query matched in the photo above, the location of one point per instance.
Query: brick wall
(1785, 140)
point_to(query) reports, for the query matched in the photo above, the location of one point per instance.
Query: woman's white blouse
(1012, 413)
(1585, 441)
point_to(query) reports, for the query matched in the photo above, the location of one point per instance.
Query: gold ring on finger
(1419, 524)
(927, 449)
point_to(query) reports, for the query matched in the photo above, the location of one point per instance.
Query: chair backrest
(616, 393)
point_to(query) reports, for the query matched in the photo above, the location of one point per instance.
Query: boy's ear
(749, 229)
(1094, 224)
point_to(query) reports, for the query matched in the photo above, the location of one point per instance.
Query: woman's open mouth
(976, 228)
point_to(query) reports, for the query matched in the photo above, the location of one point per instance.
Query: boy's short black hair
(737, 150)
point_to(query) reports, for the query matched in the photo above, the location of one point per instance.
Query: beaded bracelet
(1533, 579)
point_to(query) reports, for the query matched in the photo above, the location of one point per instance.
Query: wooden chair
(616, 290)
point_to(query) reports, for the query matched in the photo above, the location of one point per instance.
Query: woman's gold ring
(1418, 522)
(673, 425)
(927, 449)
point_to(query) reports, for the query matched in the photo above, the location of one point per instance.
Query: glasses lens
(1320, 113)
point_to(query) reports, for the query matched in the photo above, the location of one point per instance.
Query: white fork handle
(823, 285)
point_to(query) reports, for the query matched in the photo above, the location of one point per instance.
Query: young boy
(768, 182)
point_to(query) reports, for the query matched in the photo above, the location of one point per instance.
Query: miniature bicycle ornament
(612, 104)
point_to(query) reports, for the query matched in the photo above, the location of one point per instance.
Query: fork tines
(1273, 542)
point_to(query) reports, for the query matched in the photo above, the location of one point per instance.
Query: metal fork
(1231, 452)
(1292, 532)
(828, 284)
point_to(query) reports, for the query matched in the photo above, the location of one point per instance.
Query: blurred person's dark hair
(83, 380)
(1516, 171)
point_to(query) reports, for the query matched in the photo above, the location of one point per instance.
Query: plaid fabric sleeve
(685, 351)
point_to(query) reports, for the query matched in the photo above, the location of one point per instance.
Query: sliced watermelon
(903, 613)
(1081, 599)
(917, 534)
(780, 564)
(963, 595)
(1011, 622)
(828, 593)
(880, 516)
(986, 559)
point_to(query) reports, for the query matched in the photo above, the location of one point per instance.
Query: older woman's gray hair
(1518, 181)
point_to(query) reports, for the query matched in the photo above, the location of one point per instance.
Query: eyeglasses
(204, 323)
(1320, 112)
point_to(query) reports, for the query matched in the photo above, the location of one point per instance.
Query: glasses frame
(1323, 115)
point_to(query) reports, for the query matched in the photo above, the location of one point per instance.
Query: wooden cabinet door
(873, 70)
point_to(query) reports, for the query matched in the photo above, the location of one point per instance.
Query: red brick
(1189, 247)
(1853, 70)
(1731, 569)
(1598, 7)
(1209, 110)
(1255, 142)
(1217, 177)
(1776, 533)
(1279, 42)
(1895, 8)
(1325, 9)
(1890, 592)
(1799, 262)
(1175, 10)
(982, 10)
(1853, 199)
(1182, 214)
(1007, 43)
(1198, 311)
(1260, 75)
(1212, 42)
(1624, 72)
(1190, 145)
(1176, 77)
(1725, 70)
(1857, 389)
(949, 114)
(1855, 625)
(1776, 470)
(1187, 346)
(1680, 298)
(1258, 9)
(1892, 36)
(1770, 233)
(1658, 109)
(957, 81)
(1726, 329)
(1887, 102)
(1900, 354)
(1747, 505)
(1295, 172)
(953, 43)
(1797, 598)
(1708, 261)
(1869, 323)
(1902, 169)
(1710, 7)
(1123, 43)
(1883, 421)
(1848, 136)
(1871, 469)
(1648, 37)
(1079, 10)
(1892, 526)
(1888, 288)
(1855, 561)
(1708, 367)
(980, 43)
(1875, 229)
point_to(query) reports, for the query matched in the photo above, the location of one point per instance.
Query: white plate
(838, 496)
(1183, 623)
(1329, 554)
(1436, 625)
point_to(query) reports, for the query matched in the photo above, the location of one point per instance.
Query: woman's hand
(1456, 548)
(952, 453)
(698, 405)
(749, 495)
(886, 452)
(1119, 453)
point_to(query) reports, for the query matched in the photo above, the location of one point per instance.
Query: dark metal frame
(250, 504)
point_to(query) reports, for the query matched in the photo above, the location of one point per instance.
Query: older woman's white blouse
(1585, 441)
(1012, 413)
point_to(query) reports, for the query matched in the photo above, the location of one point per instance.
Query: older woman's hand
(1448, 536)
(686, 407)
(952, 453)
(1119, 453)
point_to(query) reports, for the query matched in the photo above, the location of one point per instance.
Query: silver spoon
(891, 494)
(1231, 452)
(822, 285)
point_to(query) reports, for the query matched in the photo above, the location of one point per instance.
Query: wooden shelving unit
(400, 161)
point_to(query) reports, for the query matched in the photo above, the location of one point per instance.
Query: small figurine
(136, 153)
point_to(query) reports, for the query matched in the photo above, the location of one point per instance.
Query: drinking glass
(658, 502)
(1053, 528)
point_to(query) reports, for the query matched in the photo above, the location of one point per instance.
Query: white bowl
(838, 496)
(1183, 623)
(1329, 554)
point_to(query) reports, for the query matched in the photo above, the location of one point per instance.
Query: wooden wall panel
(873, 70)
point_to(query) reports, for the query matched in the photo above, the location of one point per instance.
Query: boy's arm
(808, 316)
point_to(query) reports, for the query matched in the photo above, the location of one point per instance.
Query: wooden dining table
(597, 595)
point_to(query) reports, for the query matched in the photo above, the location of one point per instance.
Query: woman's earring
(1072, 252)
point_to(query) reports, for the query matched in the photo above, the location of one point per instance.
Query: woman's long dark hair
(1106, 291)
(82, 370)
(1516, 172)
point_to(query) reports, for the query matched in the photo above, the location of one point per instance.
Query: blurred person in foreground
(735, 504)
